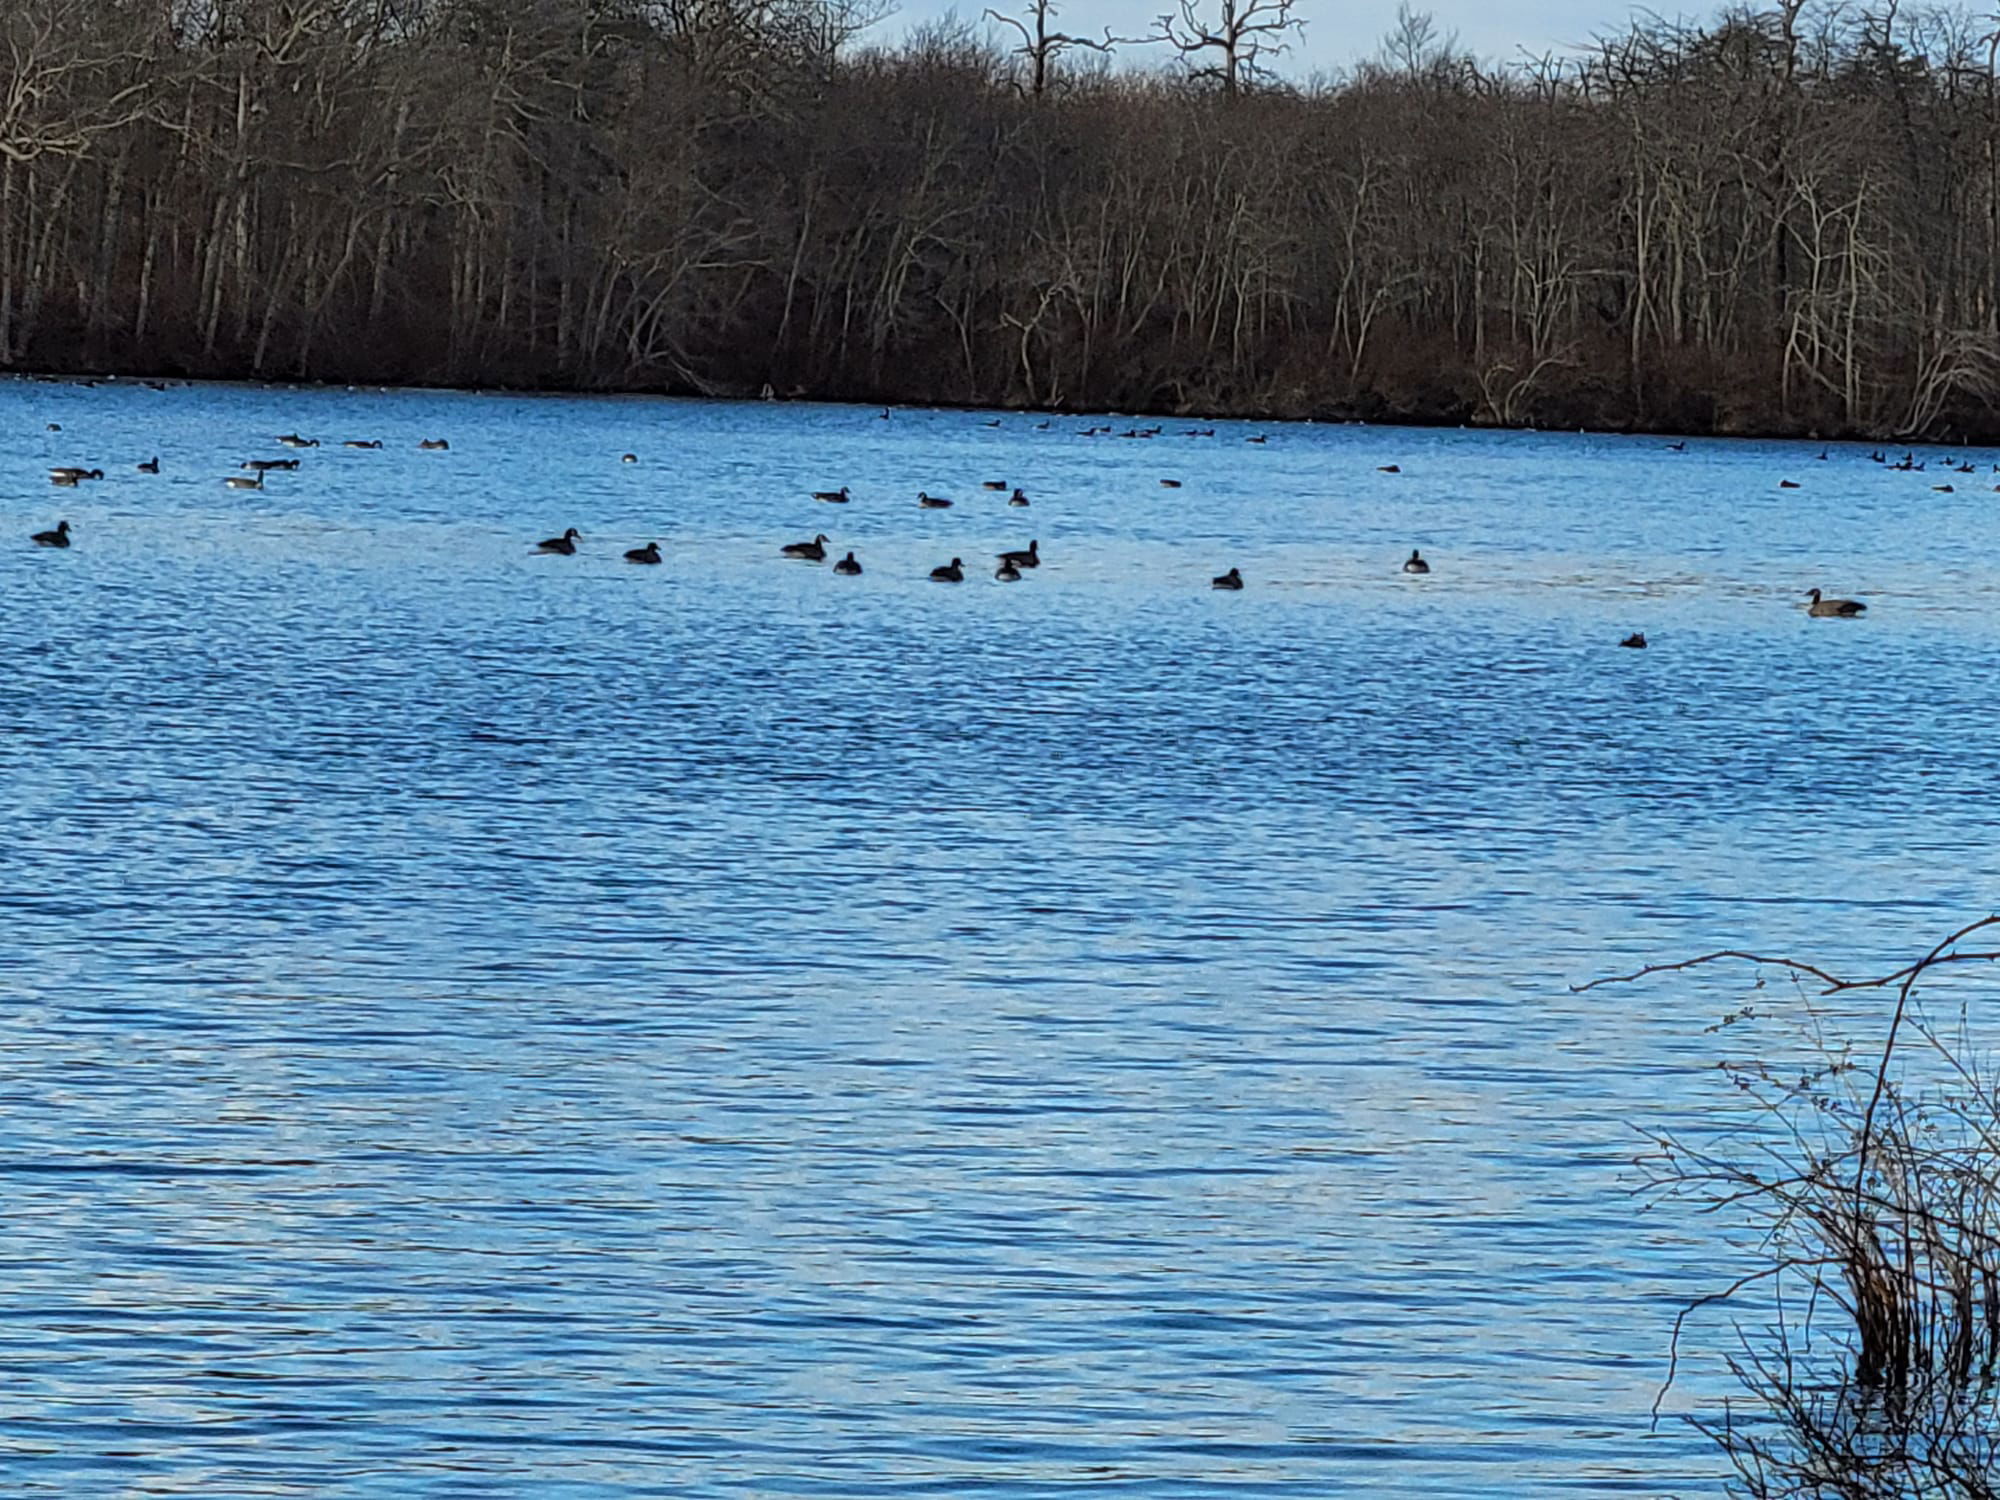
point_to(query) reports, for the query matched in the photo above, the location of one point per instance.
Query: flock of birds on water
(1011, 564)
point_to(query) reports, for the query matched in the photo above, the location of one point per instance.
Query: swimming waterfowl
(848, 567)
(993, 484)
(1233, 579)
(1832, 609)
(362, 443)
(293, 440)
(833, 497)
(1416, 563)
(1017, 498)
(932, 502)
(1943, 489)
(1007, 573)
(266, 465)
(1680, 447)
(812, 551)
(1032, 558)
(629, 458)
(1636, 640)
(1170, 484)
(57, 538)
(1259, 438)
(72, 475)
(151, 465)
(238, 482)
(1388, 468)
(650, 553)
(1788, 484)
(434, 445)
(564, 545)
(953, 572)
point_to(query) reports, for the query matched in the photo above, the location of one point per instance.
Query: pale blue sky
(1339, 34)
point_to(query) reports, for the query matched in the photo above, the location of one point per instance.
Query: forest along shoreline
(1779, 224)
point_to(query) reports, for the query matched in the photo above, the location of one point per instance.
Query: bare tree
(1230, 48)
(1042, 47)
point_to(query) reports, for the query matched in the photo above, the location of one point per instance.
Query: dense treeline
(1783, 221)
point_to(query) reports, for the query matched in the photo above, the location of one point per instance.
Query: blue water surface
(479, 1022)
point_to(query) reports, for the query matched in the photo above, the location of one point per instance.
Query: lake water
(479, 1022)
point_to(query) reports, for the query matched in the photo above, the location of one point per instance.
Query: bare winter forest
(1783, 221)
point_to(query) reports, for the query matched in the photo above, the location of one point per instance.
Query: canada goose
(293, 440)
(71, 476)
(848, 567)
(1233, 579)
(1388, 468)
(1637, 640)
(151, 465)
(57, 538)
(1942, 489)
(1032, 558)
(1259, 438)
(1822, 455)
(1788, 484)
(1833, 609)
(932, 502)
(1017, 498)
(650, 553)
(953, 572)
(1170, 484)
(993, 484)
(564, 545)
(1416, 563)
(238, 482)
(1680, 447)
(362, 443)
(266, 465)
(628, 458)
(434, 445)
(833, 497)
(812, 551)
(1007, 573)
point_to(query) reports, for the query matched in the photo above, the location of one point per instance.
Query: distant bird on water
(57, 538)
(265, 465)
(993, 484)
(1032, 558)
(1007, 573)
(629, 458)
(1170, 484)
(951, 572)
(1637, 640)
(1388, 468)
(1416, 563)
(833, 497)
(932, 502)
(151, 465)
(434, 445)
(812, 551)
(362, 443)
(71, 477)
(1233, 579)
(848, 567)
(650, 553)
(238, 482)
(1017, 498)
(562, 546)
(1788, 484)
(1833, 609)
(293, 440)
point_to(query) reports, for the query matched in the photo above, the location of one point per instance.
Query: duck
(628, 458)
(1416, 563)
(1233, 579)
(1636, 640)
(952, 572)
(1032, 558)
(932, 502)
(55, 427)
(72, 475)
(650, 553)
(238, 482)
(1017, 498)
(57, 538)
(1007, 573)
(362, 443)
(434, 445)
(812, 551)
(564, 545)
(1832, 609)
(151, 465)
(293, 440)
(849, 566)
(993, 484)
(833, 497)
